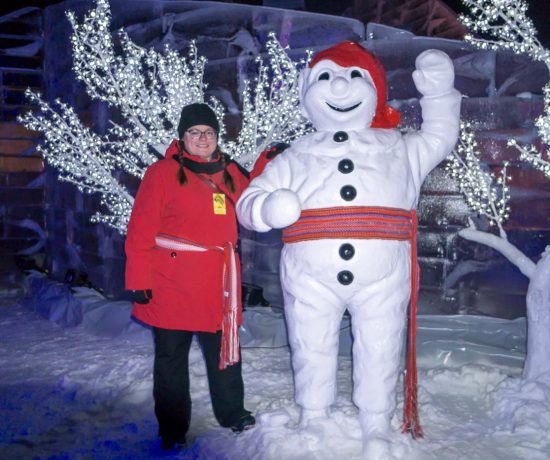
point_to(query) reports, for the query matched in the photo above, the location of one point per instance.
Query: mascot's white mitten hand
(281, 208)
(434, 74)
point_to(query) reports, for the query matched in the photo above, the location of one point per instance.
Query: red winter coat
(187, 286)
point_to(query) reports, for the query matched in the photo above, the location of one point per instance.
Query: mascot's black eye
(356, 74)
(324, 76)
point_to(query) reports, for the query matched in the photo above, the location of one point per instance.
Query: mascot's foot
(307, 415)
(377, 449)
(376, 429)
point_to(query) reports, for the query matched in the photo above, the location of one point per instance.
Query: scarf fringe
(411, 418)
(230, 351)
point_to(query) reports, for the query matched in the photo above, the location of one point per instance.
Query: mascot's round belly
(343, 265)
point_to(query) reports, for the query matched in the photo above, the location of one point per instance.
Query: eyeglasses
(209, 134)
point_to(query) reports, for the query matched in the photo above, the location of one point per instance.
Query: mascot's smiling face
(336, 98)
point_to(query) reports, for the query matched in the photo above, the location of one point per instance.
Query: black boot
(246, 422)
(168, 443)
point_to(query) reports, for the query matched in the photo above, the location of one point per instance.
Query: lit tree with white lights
(148, 89)
(270, 110)
(505, 21)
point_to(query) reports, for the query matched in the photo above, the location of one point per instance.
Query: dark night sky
(12, 5)
(539, 10)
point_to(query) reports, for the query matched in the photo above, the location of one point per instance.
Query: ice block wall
(22, 223)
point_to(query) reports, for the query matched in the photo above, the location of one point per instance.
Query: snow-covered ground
(85, 393)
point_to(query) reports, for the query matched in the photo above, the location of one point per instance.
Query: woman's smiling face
(201, 141)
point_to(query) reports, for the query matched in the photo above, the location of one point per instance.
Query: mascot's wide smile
(344, 109)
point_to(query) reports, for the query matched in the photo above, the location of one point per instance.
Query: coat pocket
(188, 279)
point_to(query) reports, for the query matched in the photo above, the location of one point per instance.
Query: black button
(346, 251)
(348, 192)
(345, 277)
(345, 166)
(173, 254)
(340, 136)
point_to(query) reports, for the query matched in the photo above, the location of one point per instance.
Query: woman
(183, 272)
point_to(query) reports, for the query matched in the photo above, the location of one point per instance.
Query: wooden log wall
(22, 212)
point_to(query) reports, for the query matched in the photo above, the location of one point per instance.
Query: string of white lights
(271, 106)
(486, 193)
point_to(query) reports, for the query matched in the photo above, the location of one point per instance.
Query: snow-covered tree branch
(502, 245)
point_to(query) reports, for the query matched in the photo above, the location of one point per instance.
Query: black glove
(142, 296)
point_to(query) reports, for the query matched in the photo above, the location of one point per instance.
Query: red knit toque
(351, 54)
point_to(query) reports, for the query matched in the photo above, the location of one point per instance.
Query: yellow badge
(218, 200)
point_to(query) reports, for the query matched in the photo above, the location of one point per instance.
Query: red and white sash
(229, 353)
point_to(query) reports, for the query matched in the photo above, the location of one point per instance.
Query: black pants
(171, 382)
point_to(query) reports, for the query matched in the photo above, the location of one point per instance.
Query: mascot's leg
(313, 322)
(378, 325)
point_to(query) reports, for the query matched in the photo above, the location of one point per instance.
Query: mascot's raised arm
(345, 197)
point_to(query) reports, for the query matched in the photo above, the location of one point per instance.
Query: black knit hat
(197, 114)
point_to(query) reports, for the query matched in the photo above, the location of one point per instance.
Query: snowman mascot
(345, 197)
